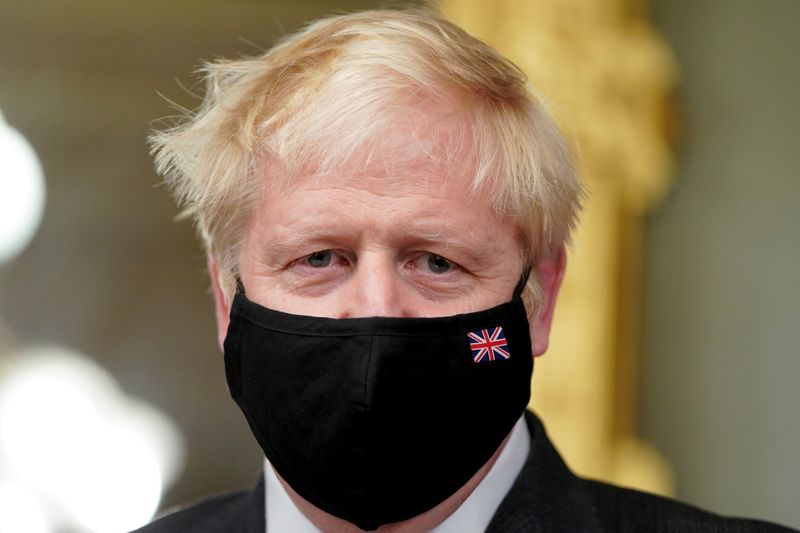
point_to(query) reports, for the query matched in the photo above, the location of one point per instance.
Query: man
(385, 207)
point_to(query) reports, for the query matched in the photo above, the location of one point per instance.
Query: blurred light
(68, 431)
(44, 423)
(22, 192)
(122, 489)
(20, 512)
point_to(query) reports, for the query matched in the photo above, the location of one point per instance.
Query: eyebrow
(473, 250)
(287, 241)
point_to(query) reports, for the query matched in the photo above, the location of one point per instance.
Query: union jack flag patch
(488, 344)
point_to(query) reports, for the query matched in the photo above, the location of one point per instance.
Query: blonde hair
(322, 94)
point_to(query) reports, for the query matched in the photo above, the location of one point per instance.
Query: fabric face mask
(377, 420)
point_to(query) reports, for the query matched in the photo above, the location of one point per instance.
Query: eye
(438, 264)
(319, 259)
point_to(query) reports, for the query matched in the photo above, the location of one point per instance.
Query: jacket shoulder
(548, 496)
(213, 514)
(623, 510)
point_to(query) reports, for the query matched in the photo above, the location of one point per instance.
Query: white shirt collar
(473, 515)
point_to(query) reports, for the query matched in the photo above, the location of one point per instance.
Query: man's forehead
(404, 211)
(429, 140)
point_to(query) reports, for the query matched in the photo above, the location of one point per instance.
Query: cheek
(489, 297)
(478, 299)
(328, 306)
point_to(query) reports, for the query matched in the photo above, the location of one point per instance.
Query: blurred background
(105, 311)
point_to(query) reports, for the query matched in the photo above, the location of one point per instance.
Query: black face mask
(377, 420)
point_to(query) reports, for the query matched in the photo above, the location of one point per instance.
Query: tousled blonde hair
(321, 95)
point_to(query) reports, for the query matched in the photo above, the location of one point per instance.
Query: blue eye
(438, 264)
(319, 259)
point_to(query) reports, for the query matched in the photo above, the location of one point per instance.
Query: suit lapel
(546, 496)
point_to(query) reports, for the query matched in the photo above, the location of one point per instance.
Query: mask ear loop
(523, 281)
(239, 286)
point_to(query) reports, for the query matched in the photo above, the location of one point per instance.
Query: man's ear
(221, 305)
(549, 273)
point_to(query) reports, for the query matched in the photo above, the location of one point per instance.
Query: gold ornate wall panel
(607, 78)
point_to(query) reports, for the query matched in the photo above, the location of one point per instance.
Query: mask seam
(365, 378)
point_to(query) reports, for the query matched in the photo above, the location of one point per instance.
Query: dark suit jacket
(546, 497)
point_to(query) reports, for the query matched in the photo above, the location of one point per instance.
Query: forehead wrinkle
(296, 233)
(295, 237)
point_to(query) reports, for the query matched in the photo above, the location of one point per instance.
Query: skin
(386, 240)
